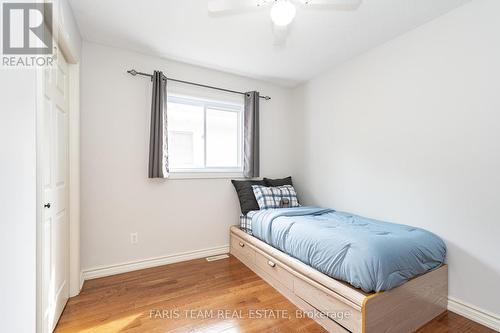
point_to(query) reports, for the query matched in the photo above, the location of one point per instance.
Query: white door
(55, 190)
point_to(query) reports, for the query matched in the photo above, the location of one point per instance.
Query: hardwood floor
(199, 296)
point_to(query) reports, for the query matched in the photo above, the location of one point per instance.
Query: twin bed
(347, 272)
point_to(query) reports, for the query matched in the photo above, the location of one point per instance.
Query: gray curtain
(158, 144)
(251, 159)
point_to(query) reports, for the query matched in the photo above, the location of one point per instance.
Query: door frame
(75, 275)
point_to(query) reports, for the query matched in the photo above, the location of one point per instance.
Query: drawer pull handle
(241, 244)
(270, 263)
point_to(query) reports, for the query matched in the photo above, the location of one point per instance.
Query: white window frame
(210, 172)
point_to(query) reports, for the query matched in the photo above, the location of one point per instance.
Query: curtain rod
(134, 73)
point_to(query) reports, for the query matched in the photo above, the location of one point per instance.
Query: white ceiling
(243, 43)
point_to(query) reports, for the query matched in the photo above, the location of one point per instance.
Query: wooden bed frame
(337, 306)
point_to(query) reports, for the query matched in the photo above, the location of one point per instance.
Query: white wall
(66, 31)
(18, 200)
(409, 132)
(170, 216)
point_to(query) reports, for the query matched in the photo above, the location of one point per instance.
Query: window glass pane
(222, 138)
(185, 135)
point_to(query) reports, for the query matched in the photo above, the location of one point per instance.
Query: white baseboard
(472, 312)
(103, 271)
(82, 280)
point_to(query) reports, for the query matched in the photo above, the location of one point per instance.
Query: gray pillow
(245, 194)
(278, 182)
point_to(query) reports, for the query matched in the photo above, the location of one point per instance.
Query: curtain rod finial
(132, 72)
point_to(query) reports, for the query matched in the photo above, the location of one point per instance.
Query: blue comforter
(369, 254)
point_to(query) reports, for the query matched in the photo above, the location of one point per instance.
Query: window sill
(204, 175)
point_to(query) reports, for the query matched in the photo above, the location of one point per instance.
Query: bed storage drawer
(330, 304)
(274, 269)
(241, 249)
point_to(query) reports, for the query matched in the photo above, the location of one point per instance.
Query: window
(204, 136)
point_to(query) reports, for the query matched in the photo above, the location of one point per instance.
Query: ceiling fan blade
(232, 6)
(280, 34)
(332, 4)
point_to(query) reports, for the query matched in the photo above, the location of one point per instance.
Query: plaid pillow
(275, 197)
(246, 221)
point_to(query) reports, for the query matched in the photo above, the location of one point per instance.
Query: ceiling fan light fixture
(283, 12)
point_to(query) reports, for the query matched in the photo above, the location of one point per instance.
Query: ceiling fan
(282, 11)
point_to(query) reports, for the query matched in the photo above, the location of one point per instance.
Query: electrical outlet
(133, 238)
